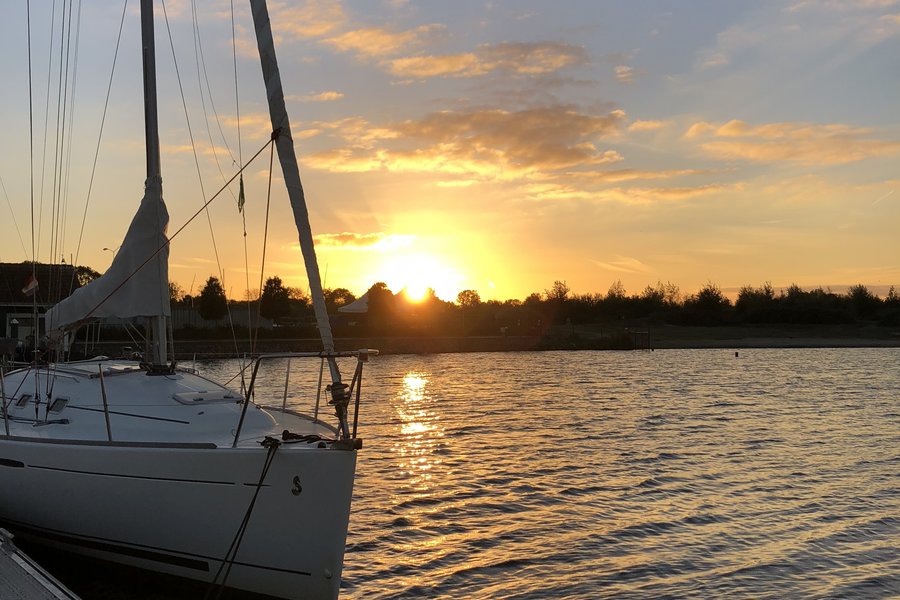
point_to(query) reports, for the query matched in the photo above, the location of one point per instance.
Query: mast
(154, 172)
(284, 142)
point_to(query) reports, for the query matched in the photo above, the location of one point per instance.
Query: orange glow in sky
(497, 148)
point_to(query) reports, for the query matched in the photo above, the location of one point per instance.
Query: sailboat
(155, 466)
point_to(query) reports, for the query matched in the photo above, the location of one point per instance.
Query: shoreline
(663, 338)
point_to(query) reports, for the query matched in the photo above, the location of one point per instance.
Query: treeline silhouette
(390, 314)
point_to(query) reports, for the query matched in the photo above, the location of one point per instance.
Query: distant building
(24, 288)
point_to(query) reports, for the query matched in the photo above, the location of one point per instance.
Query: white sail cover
(137, 282)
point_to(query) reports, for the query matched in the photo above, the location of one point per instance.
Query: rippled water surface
(599, 474)
(677, 473)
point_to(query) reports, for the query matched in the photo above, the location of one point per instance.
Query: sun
(416, 291)
(416, 274)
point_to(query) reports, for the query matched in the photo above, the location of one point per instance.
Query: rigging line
(31, 167)
(202, 62)
(237, 109)
(30, 133)
(112, 72)
(56, 144)
(47, 101)
(237, 103)
(199, 172)
(65, 167)
(271, 445)
(180, 229)
(12, 215)
(61, 103)
(54, 276)
(262, 268)
(71, 137)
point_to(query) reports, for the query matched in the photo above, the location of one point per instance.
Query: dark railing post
(3, 394)
(319, 391)
(359, 369)
(237, 433)
(105, 404)
(287, 378)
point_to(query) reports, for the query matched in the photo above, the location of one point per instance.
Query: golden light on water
(419, 430)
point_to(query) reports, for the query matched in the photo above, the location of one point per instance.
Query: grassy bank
(579, 337)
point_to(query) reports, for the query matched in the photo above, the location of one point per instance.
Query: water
(629, 475)
(678, 473)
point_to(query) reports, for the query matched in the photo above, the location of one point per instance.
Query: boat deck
(23, 579)
(113, 401)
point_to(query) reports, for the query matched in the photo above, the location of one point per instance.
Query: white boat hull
(176, 508)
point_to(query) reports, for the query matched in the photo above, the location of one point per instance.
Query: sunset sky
(492, 145)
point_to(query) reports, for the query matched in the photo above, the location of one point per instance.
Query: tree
(616, 291)
(275, 301)
(559, 291)
(382, 308)
(756, 305)
(212, 304)
(863, 302)
(468, 299)
(176, 292)
(533, 300)
(85, 275)
(710, 298)
(338, 297)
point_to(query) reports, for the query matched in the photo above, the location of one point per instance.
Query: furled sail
(137, 282)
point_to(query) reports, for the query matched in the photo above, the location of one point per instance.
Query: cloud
(308, 19)
(624, 264)
(819, 33)
(532, 58)
(377, 42)
(487, 143)
(625, 195)
(638, 126)
(657, 195)
(804, 143)
(320, 97)
(841, 5)
(437, 66)
(378, 241)
(624, 74)
(711, 60)
(621, 175)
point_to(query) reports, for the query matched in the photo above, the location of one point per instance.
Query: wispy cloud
(804, 143)
(378, 241)
(625, 195)
(378, 42)
(320, 97)
(623, 264)
(647, 125)
(532, 58)
(624, 74)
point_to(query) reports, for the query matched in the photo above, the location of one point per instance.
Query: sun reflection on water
(419, 430)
